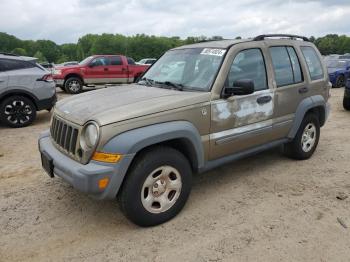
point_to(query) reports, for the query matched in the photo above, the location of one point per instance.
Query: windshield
(192, 69)
(86, 60)
(336, 64)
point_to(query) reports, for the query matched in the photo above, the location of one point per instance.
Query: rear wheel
(157, 186)
(17, 111)
(340, 82)
(306, 140)
(346, 103)
(73, 85)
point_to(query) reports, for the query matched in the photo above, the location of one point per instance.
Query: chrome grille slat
(64, 135)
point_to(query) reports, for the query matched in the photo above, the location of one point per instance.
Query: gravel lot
(264, 208)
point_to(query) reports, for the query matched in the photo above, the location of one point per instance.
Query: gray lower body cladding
(85, 177)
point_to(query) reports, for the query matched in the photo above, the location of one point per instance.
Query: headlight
(57, 72)
(90, 136)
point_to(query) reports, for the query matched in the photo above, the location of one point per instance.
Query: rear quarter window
(12, 64)
(313, 63)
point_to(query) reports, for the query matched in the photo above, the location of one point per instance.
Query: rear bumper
(46, 103)
(85, 177)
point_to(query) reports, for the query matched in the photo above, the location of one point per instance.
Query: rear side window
(286, 65)
(130, 61)
(249, 64)
(116, 60)
(12, 64)
(313, 62)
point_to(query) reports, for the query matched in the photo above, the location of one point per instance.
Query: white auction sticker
(212, 51)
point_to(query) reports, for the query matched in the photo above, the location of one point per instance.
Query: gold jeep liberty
(197, 107)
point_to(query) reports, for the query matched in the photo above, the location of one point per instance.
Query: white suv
(25, 87)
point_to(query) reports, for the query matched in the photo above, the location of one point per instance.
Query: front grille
(65, 135)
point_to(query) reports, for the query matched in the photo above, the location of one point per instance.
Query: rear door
(290, 85)
(97, 71)
(118, 70)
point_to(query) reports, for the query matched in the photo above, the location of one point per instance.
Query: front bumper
(59, 82)
(85, 177)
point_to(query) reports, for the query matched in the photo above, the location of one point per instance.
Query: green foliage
(138, 46)
(40, 56)
(19, 51)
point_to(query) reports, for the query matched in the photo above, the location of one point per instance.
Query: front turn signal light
(103, 183)
(106, 157)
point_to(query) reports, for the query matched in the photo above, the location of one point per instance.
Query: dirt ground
(264, 208)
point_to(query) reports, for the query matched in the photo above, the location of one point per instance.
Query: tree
(19, 51)
(40, 56)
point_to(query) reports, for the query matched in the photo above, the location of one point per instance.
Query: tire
(17, 111)
(346, 103)
(73, 85)
(309, 129)
(340, 82)
(147, 181)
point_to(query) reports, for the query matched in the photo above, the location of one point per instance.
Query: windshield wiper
(148, 81)
(179, 87)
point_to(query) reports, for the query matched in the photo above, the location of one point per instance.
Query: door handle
(105, 69)
(124, 69)
(263, 99)
(2, 80)
(303, 90)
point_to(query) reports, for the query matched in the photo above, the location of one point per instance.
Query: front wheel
(340, 82)
(17, 111)
(157, 186)
(306, 140)
(73, 85)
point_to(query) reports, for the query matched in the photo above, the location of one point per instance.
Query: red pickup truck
(98, 69)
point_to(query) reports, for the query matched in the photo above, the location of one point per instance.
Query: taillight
(46, 78)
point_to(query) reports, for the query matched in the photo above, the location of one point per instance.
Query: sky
(64, 21)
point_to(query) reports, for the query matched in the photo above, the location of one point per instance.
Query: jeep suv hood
(114, 104)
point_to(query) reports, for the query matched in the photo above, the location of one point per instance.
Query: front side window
(249, 64)
(191, 68)
(313, 62)
(100, 61)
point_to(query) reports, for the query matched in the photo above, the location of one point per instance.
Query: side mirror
(92, 64)
(240, 88)
(347, 68)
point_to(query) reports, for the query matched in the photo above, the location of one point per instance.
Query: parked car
(346, 99)
(98, 69)
(141, 143)
(147, 61)
(339, 71)
(25, 87)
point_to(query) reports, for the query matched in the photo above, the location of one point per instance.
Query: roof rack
(10, 54)
(262, 37)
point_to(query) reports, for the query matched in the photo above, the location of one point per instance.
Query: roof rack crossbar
(262, 37)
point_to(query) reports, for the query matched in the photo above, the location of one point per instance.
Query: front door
(242, 122)
(97, 71)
